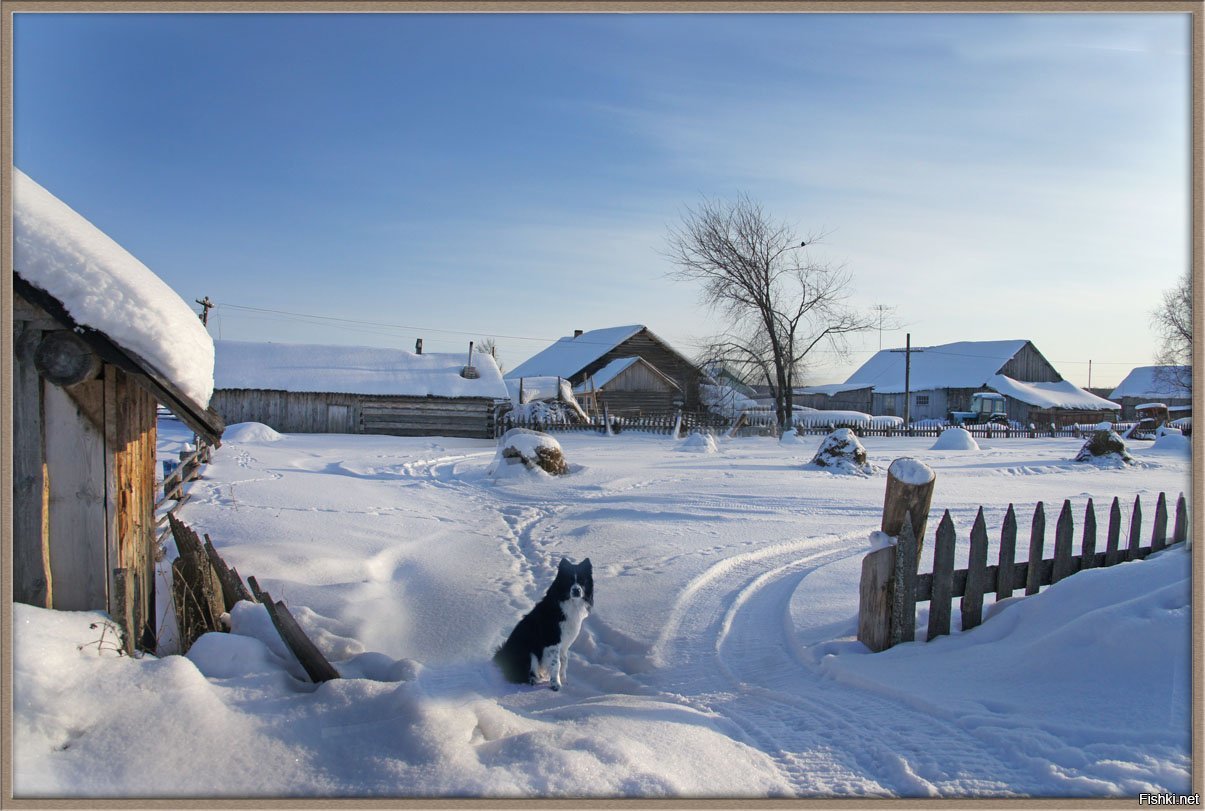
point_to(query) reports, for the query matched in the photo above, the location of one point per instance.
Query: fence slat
(1063, 531)
(1135, 528)
(943, 570)
(1037, 540)
(1008, 554)
(972, 601)
(903, 609)
(1180, 532)
(1159, 534)
(1088, 545)
(1114, 535)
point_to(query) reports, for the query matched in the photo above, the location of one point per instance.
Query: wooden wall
(84, 488)
(305, 412)
(1029, 366)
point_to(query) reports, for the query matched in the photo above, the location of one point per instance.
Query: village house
(99, 342)
(943, 378)
(308, 388)
(628, 369)
(1154, 384)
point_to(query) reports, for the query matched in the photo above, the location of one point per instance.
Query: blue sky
(465, 176)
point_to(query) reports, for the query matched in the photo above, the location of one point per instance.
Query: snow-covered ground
(720, 659)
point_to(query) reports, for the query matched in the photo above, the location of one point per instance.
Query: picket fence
(1002, 579)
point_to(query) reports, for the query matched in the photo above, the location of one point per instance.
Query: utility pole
(1089, 374)
(908, 350)
(207, 305)
(880, 309)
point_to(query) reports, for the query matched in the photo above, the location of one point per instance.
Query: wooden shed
(309, 388)
(1170, 385)
(628, 386)
(585, 354)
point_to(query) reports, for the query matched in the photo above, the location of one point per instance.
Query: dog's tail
(512, 670)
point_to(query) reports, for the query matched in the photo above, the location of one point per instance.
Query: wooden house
(307, 388)
(85, 387)
(1170, 385)
(628, 386)
(943, 378)
(664, 381)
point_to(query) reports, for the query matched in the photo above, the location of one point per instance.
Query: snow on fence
(663, 423)
(891, 587)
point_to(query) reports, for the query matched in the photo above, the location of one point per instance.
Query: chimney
(577, 333)
(418, 346)
(470, 372)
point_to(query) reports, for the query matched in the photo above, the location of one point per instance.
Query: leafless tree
(779, 306)
(490, 347)
(1172, 320)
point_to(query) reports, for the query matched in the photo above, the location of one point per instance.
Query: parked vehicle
(1150, 417)
(986, 406)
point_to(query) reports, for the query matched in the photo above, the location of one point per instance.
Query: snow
(1142, 381)
(911, 471)
(698, 443)
(570, 355)
(606, 374)
(1063, 394)
(962, 365)
(955, 439)
(832, 418)
(354, 370)
(245, 432)
(830, 389)
(103, 287)
(720, 659)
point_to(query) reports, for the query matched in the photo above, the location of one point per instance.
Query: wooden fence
(663, 423)
(175, 476)
(886, 621)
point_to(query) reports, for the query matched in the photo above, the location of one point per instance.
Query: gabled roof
(960, 365)
(354, 370)
(569, 355)
(124, 312)
(1143, 381)
(831, 389)
(615, 368)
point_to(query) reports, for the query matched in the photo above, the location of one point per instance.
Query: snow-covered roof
(830, 389)
(1063, 394)
(354, 370)
(1143, 381)
(960, 365)
(103, 287)
(569, 355)
(614, 369)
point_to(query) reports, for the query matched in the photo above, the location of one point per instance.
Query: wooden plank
(1005, 570)
(1180, 532)
(233, 589)
(940, 606)
(1159, 533)
(1112, 555)
(31, 545)
(1063, 532)
(75, 462)
(1037, 542)
(315, 664)
(1135, 529)
(903, 599)
(875, 599)
(1088, 545)
(198, 591)
(977, 582)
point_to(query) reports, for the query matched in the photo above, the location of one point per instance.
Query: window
(922, 399)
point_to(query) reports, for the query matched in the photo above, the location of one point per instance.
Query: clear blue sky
(989, 176)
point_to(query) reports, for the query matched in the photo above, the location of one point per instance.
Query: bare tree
(1173, 322)
(779, 305)
(490, 347)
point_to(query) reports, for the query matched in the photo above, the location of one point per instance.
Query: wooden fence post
(1135, 529)
(1114, 535)
(1088, 546)
(1180, 531)
(943, 576)
(875, 598)
(1159, 534)
(1037, 542)
(1008, 554)
(1063, 531)
(903, 598)
(972, 600)
(909, 493)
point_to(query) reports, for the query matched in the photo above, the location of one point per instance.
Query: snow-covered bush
(841, 452)
(698, 443)
(955, 439)
(1106, 449)
(520, 448)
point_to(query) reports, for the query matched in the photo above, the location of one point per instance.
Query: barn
(1170, 385)
(662, 381)
(99, 342)
(311, 388)
(942, 379)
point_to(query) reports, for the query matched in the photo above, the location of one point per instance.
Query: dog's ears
(565, 565)
(586, 564)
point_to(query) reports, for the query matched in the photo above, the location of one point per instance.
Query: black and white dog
(539, 645)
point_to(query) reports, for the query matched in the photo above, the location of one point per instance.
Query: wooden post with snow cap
(909, 492)
(884, 618)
